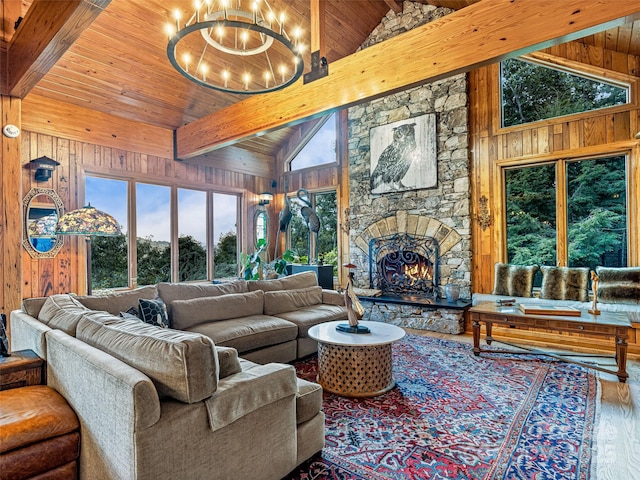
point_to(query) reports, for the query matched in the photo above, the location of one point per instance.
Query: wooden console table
(607, 324)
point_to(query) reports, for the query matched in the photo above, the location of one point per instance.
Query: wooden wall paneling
(11, 217)
(89, 126)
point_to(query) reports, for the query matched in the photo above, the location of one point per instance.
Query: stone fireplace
(441, 213)
(404, 264)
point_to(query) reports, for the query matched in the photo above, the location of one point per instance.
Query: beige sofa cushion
(170, 292)
(297, 280)
(307, 317)
(308, 400)
(188, 313)
(565, 283)
(248, 333)
(118, 301)
(182, 365)
(228, 361)
(62, 312)
(32, 306)
(288, 300)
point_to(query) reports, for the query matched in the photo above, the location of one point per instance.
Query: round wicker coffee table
(355, 365)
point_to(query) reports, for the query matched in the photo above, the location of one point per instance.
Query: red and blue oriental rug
(457, 416)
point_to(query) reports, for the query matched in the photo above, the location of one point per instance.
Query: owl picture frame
(404, 155)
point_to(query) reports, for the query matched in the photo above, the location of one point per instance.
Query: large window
(320, 149)
(206, 225)
(569, 212)
(307, 247)
(532, 91)
(109, 255)
(192, 235)
(153, 214)
(225, 232)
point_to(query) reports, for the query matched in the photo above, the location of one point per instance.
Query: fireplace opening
(403, 264)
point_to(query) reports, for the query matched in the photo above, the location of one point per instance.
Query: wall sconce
(43, 166)
(265, 198)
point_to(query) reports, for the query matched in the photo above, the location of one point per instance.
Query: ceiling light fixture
(233, 50)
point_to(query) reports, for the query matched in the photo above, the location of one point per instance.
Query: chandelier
(224, 47)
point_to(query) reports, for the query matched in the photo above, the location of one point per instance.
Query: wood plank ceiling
(119, 66)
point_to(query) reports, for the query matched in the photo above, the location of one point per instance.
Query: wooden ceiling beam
(483, 33)
(48, 29)
(394, 5)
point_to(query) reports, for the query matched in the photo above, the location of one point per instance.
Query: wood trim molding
(481, 34)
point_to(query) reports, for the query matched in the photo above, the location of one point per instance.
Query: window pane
(327, 210)
(109, 255)
(596, 213)
(299, 233)
(192, 235)
(153, 217)
(531, 215)
(321, 149)
(225, 231)
(532, 92)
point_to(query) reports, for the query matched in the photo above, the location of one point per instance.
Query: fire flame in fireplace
(417, 271)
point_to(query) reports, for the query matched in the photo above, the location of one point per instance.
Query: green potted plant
(253, 264)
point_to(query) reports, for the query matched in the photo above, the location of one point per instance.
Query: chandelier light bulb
(177, 15)
(247, 78)
(225, 77)
(170, 29)
(204, 69)
(244, 36)
(186, 58)
(282, 17)
(267, 77)
(283, 71)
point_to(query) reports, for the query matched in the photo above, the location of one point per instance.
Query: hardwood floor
(617, 446)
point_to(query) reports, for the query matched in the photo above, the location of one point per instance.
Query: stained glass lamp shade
(88, 221)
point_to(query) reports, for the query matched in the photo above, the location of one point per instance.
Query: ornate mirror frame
(57, 207)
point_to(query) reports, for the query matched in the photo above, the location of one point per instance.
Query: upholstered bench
(38, 434)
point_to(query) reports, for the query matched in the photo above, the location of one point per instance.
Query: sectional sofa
(197, 400)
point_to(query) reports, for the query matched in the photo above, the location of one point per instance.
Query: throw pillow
(565, 283)
(619, 285)
(154, 312)
(514, 280)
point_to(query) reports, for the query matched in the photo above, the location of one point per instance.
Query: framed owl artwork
(403, 155)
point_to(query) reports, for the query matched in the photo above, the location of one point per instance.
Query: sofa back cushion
(182, 365)
(565, 283)
(32, 306)
(117, 302)
(188, 313)
(289, 300)
(619, 285)
(62, 312)
(297, 280)
(514, 280)
(170, 292)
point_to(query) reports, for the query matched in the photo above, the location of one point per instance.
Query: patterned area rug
(457, 416)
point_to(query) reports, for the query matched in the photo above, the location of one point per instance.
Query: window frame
(560, 162)
(132, 181)
(572, 67)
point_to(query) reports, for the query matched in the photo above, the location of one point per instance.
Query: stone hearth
(441, 212)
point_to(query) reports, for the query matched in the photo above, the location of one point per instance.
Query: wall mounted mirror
(261, 226)
(42, 209)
